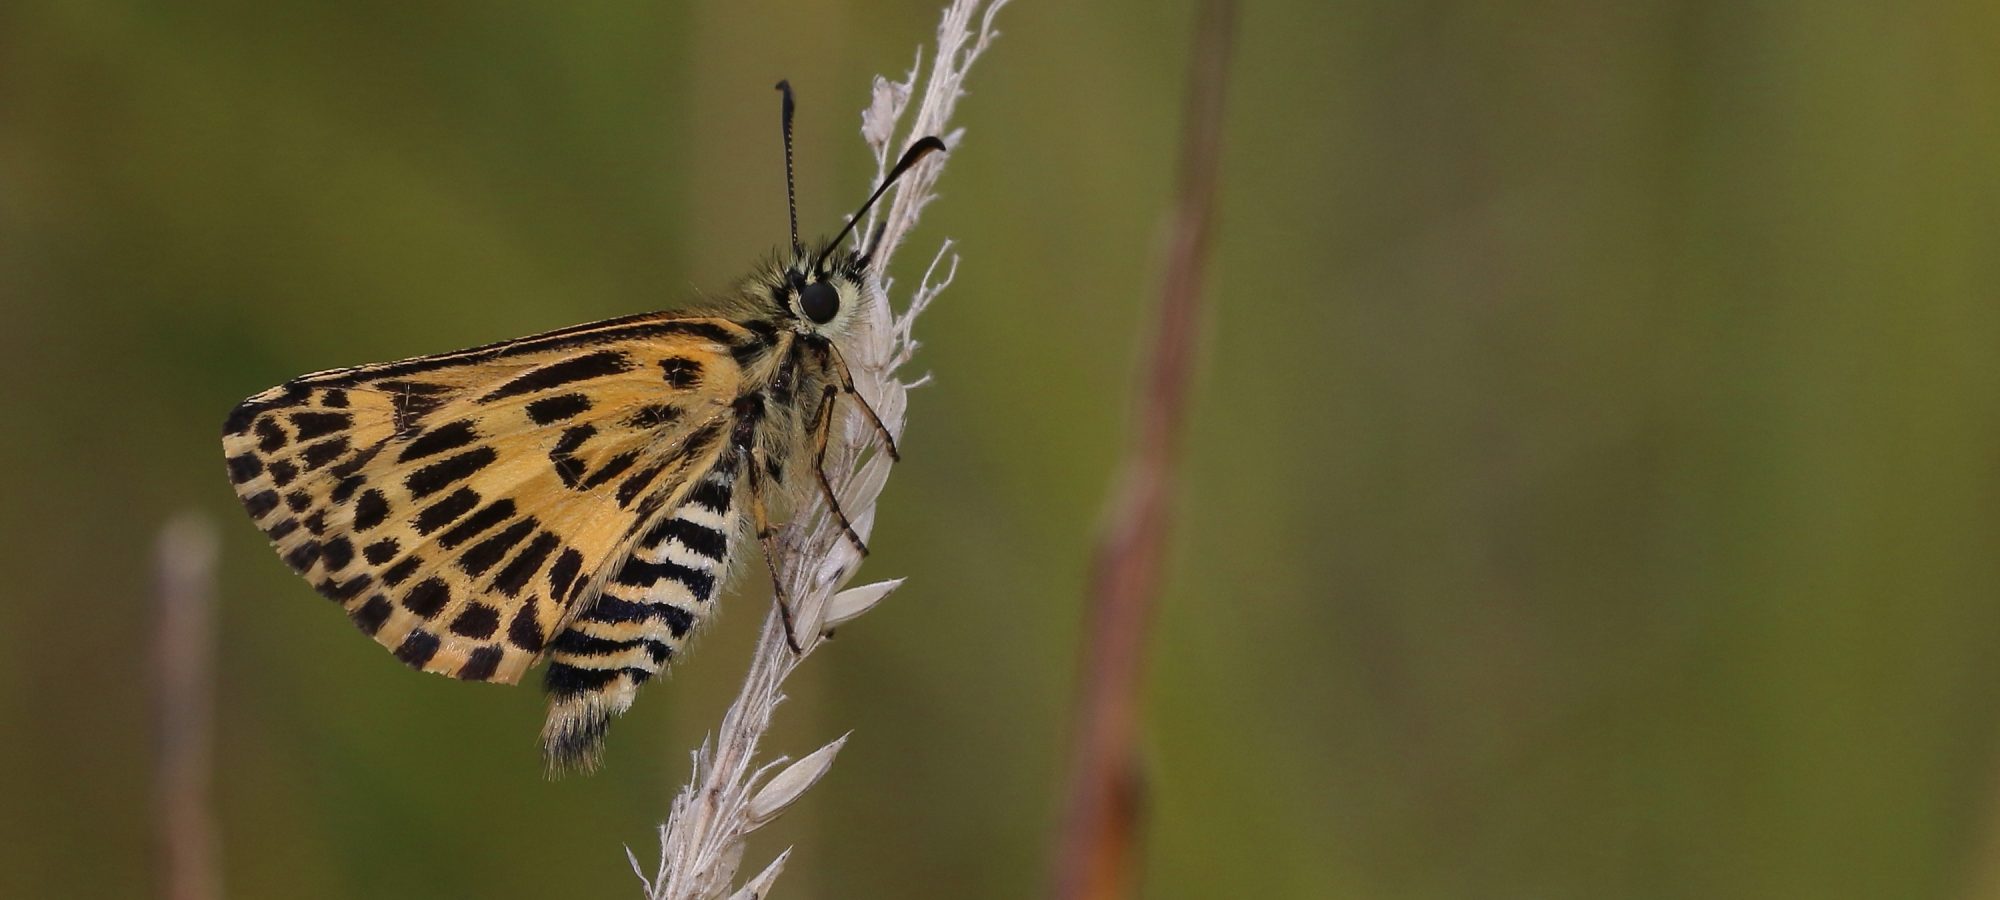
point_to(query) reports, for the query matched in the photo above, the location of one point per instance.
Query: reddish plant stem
(1097, 849)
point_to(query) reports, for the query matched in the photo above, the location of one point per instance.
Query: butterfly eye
(819, 302)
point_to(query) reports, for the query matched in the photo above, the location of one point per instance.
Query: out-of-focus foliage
(1593, 492)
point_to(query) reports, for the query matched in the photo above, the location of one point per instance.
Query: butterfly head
(819, 290)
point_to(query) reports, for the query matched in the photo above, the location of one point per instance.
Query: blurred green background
(1593, 488)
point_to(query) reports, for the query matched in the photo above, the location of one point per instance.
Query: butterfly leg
(822, 431)
(767, 541)
(838, 364)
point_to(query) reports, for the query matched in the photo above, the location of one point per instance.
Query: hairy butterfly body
(577, 496)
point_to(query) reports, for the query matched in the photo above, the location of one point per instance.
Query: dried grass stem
(729, 795)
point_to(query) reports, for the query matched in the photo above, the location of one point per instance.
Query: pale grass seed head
(728, 796)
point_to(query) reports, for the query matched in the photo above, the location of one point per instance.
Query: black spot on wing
(446, 511)
(568, 371)
(246, 412)
(303, 556)
(438, 475)
(243, 467)
(563, 454)
(681, 372)
(324, 452)
(438, 440)
(370, 510)
(427, 597)
(555, 409)
(487, 553)
(372, 614)
(353, 464)
(261, 503)
(240, 418)
(349, 589)
(635, 485)
(401, 572)
(522, 567)
(380, 552)
(311, 425)
(337, 553)
(648, 506)
(654, 416)
(562, 575)
(640, 480)
(480, 665)
(477, 620)
(524, 632)
(413, 400)
(347, 487)
(270, 438)
(612, 468)
(282, 472)
(418, 648)
(493, 514)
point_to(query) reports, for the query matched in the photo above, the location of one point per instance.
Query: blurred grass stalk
(1096, 854)
(183, 689)
(727, 797)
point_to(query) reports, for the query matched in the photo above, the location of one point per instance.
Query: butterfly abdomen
(657, 598)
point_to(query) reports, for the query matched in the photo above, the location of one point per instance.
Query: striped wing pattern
(661, 594)
(574, 496)
(466, 510)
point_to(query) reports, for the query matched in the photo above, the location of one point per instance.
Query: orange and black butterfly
(576, 496)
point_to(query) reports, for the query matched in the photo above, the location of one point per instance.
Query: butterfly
(576, 496)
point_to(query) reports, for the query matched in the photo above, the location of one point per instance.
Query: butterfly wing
(462, 508)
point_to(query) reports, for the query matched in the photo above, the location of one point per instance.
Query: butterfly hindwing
(463, 508)
(664, 591)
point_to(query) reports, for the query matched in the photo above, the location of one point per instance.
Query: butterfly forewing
(464, 507)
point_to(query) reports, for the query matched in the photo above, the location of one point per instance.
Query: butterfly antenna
(791, 193)
(917, 151)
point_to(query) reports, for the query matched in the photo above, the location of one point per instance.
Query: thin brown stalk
(184, 589)
(1097, 850)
